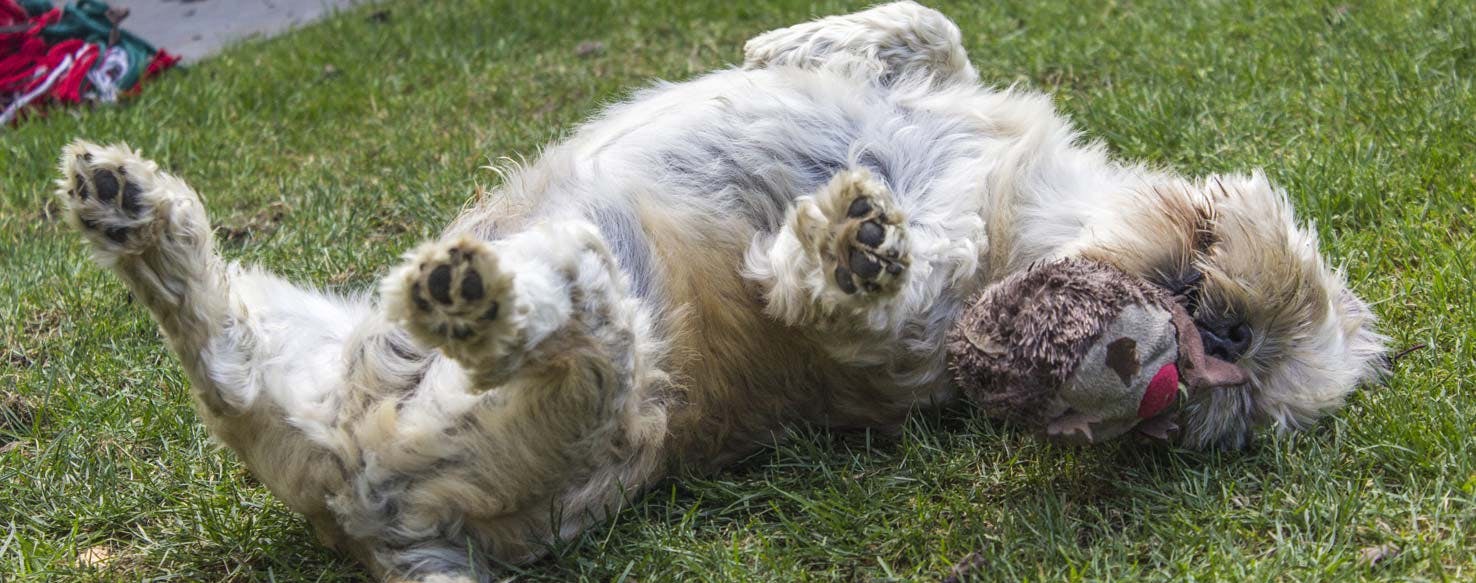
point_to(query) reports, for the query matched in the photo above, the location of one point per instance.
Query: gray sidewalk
(195, 29)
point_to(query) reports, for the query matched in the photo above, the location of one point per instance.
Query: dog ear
(1358, 327)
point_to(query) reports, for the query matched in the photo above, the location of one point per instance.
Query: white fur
(665, 294)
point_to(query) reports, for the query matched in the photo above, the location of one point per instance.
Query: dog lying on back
(690, 272)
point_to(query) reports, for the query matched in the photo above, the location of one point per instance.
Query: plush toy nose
(1162, 391)
(1227, 342)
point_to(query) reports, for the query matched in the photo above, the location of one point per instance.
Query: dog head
(1262, 297)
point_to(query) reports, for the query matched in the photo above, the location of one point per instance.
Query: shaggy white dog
(704, 263)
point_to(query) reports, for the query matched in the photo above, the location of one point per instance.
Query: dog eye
(1186, 289)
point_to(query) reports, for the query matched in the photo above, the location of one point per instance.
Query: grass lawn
(326, 153)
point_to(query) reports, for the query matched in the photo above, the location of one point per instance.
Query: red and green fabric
(66, 55)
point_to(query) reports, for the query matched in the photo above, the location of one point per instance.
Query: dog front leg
(839, 266)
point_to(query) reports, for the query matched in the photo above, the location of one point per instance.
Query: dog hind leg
(500, 308)
(564, 417)
(891, 41)
(263, 356)
(151, 230)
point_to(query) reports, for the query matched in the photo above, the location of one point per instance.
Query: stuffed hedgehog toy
(1083, 352)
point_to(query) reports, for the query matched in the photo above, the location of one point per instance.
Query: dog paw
(115, 198)
(866, 241)
(452, 295)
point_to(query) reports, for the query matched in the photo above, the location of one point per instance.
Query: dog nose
(1227, 342)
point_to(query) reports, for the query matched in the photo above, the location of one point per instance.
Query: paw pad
(869, 248)
(455, 289)
(107, 202)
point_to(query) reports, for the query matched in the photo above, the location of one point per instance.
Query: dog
(691, 272)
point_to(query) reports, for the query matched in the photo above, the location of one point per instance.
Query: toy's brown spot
(1122, 357)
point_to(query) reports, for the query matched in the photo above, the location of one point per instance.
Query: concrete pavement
(196, 29)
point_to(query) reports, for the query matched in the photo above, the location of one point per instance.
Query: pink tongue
(1162, 391)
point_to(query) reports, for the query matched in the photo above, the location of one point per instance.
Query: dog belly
(682, 178)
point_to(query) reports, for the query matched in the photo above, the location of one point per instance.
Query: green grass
(1365, 111)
